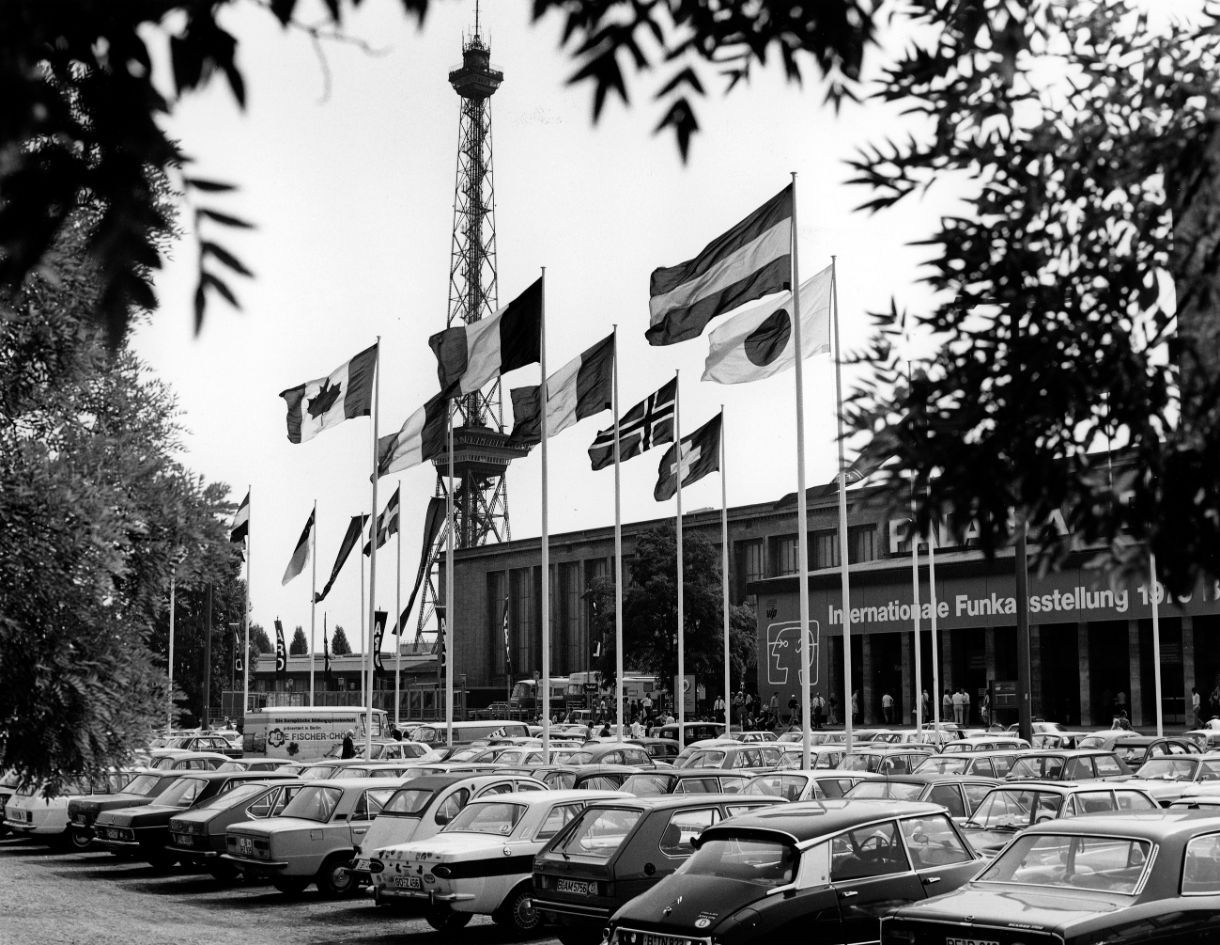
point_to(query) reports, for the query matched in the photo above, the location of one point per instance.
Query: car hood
(458, 847)
(1028, 907)
(1159, 787)
(678, 901)
(143, 816)
(276, 825)
(109, 802)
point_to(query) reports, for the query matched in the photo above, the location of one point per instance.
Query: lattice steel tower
(481, 448)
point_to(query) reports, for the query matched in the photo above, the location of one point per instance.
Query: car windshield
(1015, 809)
(763, 862)
(143, 785)
(1111, 864)
(943, 765)
(494, 817)
(407, 802)
(181, 793)
(858, 763)
(895, 790)
(314, 803)
(243, 792)
(1039, 766)
(317, 772)
(1173, 769)
(231, 766)
(642, 785)
(578, 758)
(787, 786)
(598, 833)
(704, 758)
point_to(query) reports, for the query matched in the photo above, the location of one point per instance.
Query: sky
(346, 164)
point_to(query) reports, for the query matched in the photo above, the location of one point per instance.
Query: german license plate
(572, 886)
(245, 846)
(406, 882)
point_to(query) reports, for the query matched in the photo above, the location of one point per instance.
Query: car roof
(353, 784)
(669, 801)
(433, 782)
(808, 820)
(1065, 787)
(930, 777)
(532, 798)
(1067, 752)
(1151, 825)
(680, 773)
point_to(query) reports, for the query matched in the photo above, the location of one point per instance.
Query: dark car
(1012, 807)
(615, 850)
(988, 764)
(958, 794)
(1134, 750)
(197, 836)
(757, 756)
(1134, 880)
(144, 788)
(1077, 765)
(610, 753)
(790, 785)
(693, 732)
(143, 831)
(882, 760)
(659, 749)
(686, 781)
(823, 870)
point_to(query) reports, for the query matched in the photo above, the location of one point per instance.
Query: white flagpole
(169, 694)
(313, 604)
(546, 549)
(618, 554)
(372, 631)
(245, 703)
(933, 628)
(915, 613)
(680, 682)
(843, 551)
(397, 614)
(1155, 595)
(802, 513)
(724, 579)
(448, 621)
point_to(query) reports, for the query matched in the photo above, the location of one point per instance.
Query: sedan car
(1135, 880)
(989, 764)
(187, 760)
(144, 788)
(887, 761)
(820, 756)
(615, 850)
(986, 743)
(958, 794)
(29, 814)
(482, 862)
(1078, 765)
(1011, 808)
(610, 753)
(685, 781)
(761, 756)
(1167, 776)
(212, 743)
(789, 785)
(820, 871)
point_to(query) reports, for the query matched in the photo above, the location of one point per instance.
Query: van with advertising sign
(299, 733)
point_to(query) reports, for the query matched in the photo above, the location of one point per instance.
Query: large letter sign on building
(784, 652)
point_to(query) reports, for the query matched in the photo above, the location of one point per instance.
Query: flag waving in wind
(421, 438)
(649, 423)
(300, 555)
(700, 456)
(758, 342)
(387, 523)
(468, 356)
(241, 520)
(434, 518)
(751, 260)
(327, 401)
(579, 389)
(354, 530)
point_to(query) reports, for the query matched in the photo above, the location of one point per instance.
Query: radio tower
(481, 450)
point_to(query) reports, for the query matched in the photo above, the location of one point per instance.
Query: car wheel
(578, 937)
(335, 880)
(290, 885)
(79, 840)
(448, 920)
(161, 861)
(518, 912)
(224, 872)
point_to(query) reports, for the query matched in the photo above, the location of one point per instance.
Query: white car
(29, 813)
(482, 862)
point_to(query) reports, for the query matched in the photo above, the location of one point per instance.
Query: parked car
(1208, 739)
(144, 788)
(1058, 739)
(825, 869)
(693, 732)
(29, 813)
(187, 760)
(212, 742)
(1134, 880)
(1077, 765)
(1134, 750)
(986, 743)
(958, 794)
(1165, 777)
(384, 749)
(610, 753)
(685, 781)
(660, 750)
(143, 830)
(790, 785)
(750, 737)
(616, 849)
(815, 738)
(482, 862)
(882, 760)
(9, 783)
(1011, 808)
(820, 756)
(989, 764)
(423, 807)
(734, 756)
(197, 836)
(313, 839)
(251, 764)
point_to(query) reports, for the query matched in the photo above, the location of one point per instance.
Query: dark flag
(700, 456)
(281, 653)
(649, 423)
(433, 519)
(355, 529)
(241, 520)
(579, 389)
(325, 654)
(749, 261)
(300, 554)
(379, 620)
(508, 653)
(438, 648)
(387, 524)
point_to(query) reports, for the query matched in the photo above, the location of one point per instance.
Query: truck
(300, 733)
(585, 689)
(525, 694)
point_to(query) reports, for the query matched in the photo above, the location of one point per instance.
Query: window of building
(751, 564)
(784, 554)
(825, 549)
(521, 620)
(861, 543)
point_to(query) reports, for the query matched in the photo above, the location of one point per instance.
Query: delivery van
(299, 733)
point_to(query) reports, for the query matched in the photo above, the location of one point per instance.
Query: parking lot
(57, 897)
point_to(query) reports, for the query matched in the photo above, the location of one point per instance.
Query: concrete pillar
(866, 681)
(1036, 705)
(989, 652)
(1135, 701)
(904, 708)
(1082, 653)
(1189, 680)
(946, 671)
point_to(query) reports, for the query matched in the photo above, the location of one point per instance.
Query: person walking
(718, 709)
(855, 705)
(818, 706)
(1195, 707)
(887, 708)
(349, 746)
(965, 707)
(793, 705)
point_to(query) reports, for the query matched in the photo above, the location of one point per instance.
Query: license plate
(361, 866)
(184, 840)
(406, 882)
(572, 886)
(245, 846)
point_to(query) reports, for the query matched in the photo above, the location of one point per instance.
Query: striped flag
(300, 555)
(355, 528)
(241, 520)
(434, 517)
(649, 423)
(421, 438)
(468, 356)
(749, 261)
(579, 389)
(327, 401)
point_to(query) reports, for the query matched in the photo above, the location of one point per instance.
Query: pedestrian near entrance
(1195, 707)
(349, 746)
(818, 706)
(855, 705)
(792, 709)
(718, 708)
(832, 713)
(946, 707)
(959, 707)
(965, 707)
(925, 706)
(887, 708)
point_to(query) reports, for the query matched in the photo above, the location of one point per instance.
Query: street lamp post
(169, 693)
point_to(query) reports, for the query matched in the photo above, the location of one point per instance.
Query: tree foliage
(299, 645)
(260, 642)
(650, 613)
(338, 643)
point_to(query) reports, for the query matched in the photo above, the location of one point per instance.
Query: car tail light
(442, 871)
(376, 866)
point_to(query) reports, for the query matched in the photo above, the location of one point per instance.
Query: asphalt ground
(56, 897)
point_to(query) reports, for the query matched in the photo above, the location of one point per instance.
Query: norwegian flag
(647, 424)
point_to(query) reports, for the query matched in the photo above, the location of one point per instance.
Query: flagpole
(618, 551)
(1154, 592)
(447, 636)
(372, 629)
(915, 613)
(313, 604)
(397, 612)
(933, 627)
(680, 682)
(546, 550)
(245, 704)
(169, 695)
(844, 563)
(724, 578)
(802, 512)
